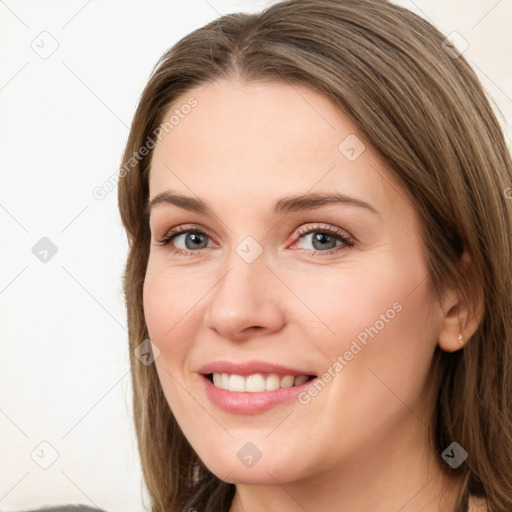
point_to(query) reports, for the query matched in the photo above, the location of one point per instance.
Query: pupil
(196, 240)
(321, 237)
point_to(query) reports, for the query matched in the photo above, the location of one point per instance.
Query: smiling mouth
(257, 382)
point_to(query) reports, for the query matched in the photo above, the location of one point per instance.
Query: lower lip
(246, 402)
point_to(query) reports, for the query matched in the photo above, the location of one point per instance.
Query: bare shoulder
(477, 504)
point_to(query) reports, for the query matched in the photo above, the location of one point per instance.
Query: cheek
(362, 298)
(380, 313)
(157, 311)
(171, 303)
(386, 334)
(171, 311)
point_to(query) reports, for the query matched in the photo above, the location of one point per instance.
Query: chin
(242, 463)
(260, 473)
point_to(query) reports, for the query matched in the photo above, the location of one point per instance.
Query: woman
(319, 277)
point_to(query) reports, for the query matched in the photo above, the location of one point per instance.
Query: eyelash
(324, 229)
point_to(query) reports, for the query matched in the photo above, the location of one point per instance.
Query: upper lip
(249, 368)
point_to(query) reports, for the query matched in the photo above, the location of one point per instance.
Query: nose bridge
(243, 296)
(244, 271)
(246, 265)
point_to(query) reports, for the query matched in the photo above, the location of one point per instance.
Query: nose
(247, 301)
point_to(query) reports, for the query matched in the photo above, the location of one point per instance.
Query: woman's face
(306, 255)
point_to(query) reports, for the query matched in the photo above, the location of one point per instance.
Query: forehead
(277, 117)
(256, 139)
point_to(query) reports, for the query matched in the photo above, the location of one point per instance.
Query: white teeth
(273, 382)
(236, 383)
(287, 382)
(300, 380)
(257, 382)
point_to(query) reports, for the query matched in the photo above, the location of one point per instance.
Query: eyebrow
(284, 205)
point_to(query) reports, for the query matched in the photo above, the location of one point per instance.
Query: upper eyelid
(304, 226)
(185, 228)
(322, 226)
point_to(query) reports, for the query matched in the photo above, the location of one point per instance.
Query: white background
(64, 373)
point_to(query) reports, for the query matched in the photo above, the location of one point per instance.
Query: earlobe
(453, 334)
(461, 316)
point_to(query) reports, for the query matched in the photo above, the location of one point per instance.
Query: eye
(325, 239)
(190, 240)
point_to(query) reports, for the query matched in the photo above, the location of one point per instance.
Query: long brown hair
(424, 110)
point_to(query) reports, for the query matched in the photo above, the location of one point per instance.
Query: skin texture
(360, 444)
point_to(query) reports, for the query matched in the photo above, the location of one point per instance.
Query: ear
(461, 313)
